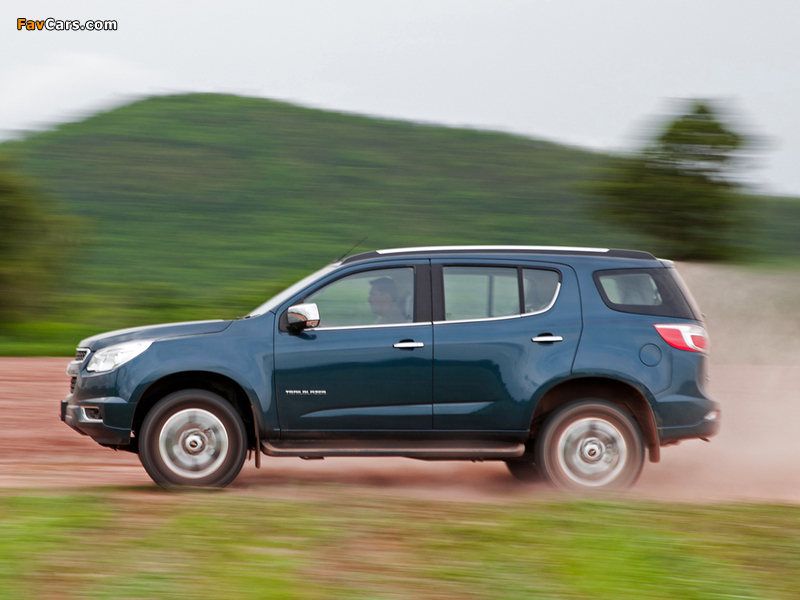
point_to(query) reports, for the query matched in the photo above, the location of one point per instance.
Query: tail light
(685, 337)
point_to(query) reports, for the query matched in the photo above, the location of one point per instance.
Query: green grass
(202, 205)
(343, 544)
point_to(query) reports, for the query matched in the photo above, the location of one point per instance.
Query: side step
(421, 449)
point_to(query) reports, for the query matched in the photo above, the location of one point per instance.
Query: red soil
(755, 457)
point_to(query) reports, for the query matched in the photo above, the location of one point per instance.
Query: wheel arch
(621, 393)
(219, 384)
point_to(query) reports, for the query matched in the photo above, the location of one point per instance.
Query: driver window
(381, 297)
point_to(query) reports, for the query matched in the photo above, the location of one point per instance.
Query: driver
(383, 301)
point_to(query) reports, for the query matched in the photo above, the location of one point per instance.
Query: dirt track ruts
(754, 458)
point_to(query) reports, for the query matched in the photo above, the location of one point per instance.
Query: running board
(425, 450)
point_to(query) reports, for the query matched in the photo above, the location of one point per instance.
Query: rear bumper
(89, 417)
(703, 429)
(686, 417)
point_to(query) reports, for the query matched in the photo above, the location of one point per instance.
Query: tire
(590, 445)
(524, 469)
(193, 438)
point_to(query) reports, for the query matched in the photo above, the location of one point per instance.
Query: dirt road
(755, 457)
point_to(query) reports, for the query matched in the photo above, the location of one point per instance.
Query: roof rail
(574, 250)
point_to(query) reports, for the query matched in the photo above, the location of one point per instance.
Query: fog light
(91, 413)
(712, 415)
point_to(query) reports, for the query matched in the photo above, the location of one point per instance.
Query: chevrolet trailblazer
(570, 362)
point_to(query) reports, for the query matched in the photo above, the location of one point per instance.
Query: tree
(681, 189)
(31, 241)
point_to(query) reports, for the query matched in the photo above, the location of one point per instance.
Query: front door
(368, 367)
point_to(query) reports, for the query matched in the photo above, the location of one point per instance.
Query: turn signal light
(692, 338)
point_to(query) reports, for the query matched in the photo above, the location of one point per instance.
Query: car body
(569, 361)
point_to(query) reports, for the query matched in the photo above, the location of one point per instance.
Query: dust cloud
(755, 375)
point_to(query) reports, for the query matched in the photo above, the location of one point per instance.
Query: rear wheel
(590, 445)
(193, 438)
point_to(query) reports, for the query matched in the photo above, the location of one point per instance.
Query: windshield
(276, 301)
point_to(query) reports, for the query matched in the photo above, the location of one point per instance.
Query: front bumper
(91, 417)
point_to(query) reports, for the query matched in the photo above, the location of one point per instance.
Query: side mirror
(301, 316)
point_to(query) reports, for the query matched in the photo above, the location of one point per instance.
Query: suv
(565, 361)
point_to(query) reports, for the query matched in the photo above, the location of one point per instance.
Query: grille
(72, 383)
(81, 354)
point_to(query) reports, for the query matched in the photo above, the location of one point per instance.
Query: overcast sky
(589, 73)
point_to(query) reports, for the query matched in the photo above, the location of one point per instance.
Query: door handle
(408, 345)
(542, 339)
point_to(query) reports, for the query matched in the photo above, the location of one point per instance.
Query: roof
(556, 250)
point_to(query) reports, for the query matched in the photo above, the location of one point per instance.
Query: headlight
(110, 358)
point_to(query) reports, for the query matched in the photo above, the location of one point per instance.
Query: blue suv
(569, 362)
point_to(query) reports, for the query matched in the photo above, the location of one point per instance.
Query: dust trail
(754, 324)
(755, 457)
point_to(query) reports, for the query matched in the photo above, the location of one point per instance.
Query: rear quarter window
(642, 291)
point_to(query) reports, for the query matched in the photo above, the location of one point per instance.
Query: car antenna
(361, 241)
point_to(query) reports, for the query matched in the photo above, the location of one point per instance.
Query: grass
(340, 543)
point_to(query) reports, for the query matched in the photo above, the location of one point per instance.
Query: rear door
(501, 331)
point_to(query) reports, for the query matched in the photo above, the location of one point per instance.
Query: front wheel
(193, 438)
(590, 445)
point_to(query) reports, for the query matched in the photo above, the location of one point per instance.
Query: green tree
(32, 239)
(681, 189)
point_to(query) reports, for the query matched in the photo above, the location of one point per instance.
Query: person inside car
(383, 301)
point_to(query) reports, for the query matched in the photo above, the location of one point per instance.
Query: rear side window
(642, 291)
(480, 292)
(540, 288)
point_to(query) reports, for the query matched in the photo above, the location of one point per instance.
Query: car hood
(153, 332)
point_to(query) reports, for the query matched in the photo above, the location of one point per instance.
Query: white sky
(587, 73)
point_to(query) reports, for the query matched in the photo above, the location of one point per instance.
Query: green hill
(201, 206)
